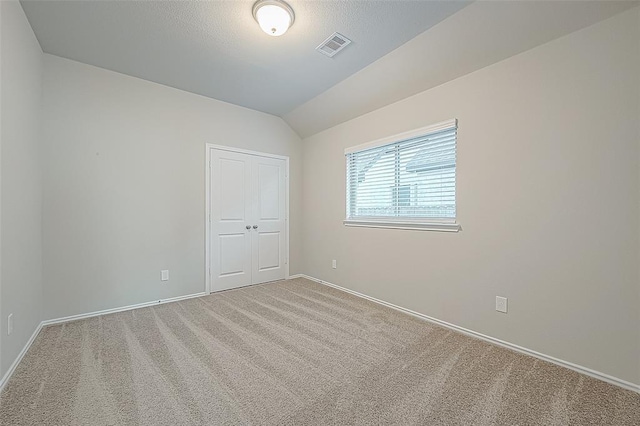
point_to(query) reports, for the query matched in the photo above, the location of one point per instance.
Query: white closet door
(231, 219)
(268, 231)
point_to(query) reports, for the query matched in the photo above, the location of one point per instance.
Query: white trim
(207, 218)
(417, 226)
(207, 254)
(287, 255)
(575, 367)
(45, 323)
(21, 355)
(245, 151)
(444, 125)
(120, 309)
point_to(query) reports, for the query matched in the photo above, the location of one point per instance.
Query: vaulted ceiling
(216, 49)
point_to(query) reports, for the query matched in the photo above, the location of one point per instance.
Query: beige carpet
(291, 353)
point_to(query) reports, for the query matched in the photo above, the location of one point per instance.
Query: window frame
(421, 224)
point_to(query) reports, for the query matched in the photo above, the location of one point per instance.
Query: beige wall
(124, 185)
(21, 185)
(548, 199)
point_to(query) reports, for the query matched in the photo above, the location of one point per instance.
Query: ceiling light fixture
(274, 16)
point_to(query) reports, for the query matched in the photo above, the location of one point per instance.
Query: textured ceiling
(477, 36)
(216, 49)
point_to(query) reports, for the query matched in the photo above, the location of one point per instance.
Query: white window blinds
(410, 179)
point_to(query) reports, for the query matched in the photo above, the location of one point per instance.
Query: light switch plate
(501, 304)
(164, 275)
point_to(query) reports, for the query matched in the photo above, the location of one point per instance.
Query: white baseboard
(45, 323)
(575, 367)
(120, 309)
(24, 350)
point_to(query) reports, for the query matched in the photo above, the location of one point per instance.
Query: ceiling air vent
(335, 43)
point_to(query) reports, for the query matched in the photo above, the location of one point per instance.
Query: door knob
(255, 226)
(248, 226)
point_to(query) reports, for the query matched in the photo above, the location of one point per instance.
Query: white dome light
(274, 16)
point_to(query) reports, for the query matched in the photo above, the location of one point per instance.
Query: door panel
(269, 202)
(230, 215)
(232, 254)
(269, 246)
(269, 192)
(232, 190)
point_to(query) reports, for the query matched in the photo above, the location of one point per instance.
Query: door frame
(207, 217)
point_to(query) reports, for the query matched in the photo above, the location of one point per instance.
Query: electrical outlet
(501, 304)
(334, 264)
(10, 324)
(164, 275)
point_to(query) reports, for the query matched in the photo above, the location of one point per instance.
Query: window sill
(415, 226)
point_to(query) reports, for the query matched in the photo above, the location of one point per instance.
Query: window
(406, 181)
